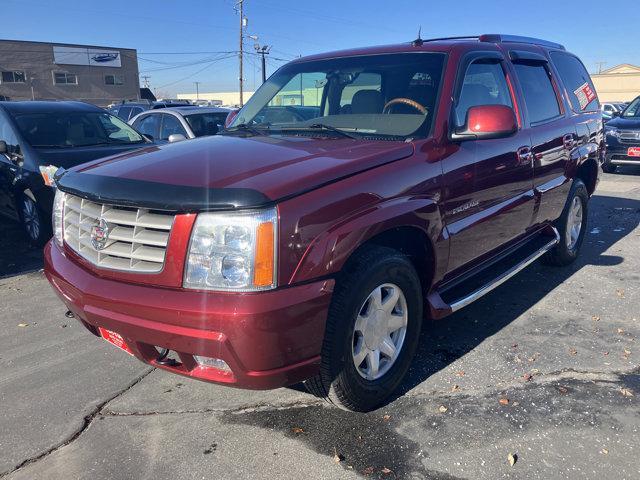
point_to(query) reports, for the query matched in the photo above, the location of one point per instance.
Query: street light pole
(197, 90)
(262, 51)
(242, 24)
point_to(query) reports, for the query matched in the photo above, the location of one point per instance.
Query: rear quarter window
(539, 94)
(577, 81)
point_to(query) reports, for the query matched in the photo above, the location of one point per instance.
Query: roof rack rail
(497, 38)
(465, 37)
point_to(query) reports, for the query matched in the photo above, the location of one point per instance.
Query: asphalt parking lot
(543, 371)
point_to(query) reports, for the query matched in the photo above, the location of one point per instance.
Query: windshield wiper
(324, 126)
(243, 127)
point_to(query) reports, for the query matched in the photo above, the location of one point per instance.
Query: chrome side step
(506, 275)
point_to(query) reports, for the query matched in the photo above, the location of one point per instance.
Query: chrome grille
(136, 240)
(629, 136)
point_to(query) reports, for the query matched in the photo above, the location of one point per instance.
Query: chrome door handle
(569, 141)
(525, 156)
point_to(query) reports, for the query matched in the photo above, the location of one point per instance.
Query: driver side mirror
(176, 137)
(615, 114)
(485, 122)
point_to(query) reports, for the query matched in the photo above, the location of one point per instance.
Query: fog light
(212, 362)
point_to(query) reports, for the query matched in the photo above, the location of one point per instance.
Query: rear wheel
(372, 330)
(571, 226)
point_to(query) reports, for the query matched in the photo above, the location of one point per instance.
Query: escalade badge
(100, 234)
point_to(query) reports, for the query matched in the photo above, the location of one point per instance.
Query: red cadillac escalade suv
(355, 194)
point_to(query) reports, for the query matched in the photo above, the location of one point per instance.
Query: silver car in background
(174, 124)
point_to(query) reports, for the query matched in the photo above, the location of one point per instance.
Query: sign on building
(86, 56)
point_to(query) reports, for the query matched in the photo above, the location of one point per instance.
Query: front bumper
(268, 339)
(617, 152)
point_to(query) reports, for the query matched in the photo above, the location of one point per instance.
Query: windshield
(390, 95)
(633, 110)
(75, 129)
(203, 124)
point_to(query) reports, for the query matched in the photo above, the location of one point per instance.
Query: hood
(632, 123)
(70, 157)
(227, 171)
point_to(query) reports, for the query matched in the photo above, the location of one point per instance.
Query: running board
(453, 298)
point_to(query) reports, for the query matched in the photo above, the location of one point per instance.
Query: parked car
(36, 138)
(610, 110)
(180, 123)
(623, 138)
(310, 249)
(126, 111)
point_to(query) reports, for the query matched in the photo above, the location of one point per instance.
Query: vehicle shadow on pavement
(443, 342)
(16, 254)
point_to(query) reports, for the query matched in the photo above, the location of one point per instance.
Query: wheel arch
(411, 226)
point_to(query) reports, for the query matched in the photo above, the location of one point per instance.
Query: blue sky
(177, 41)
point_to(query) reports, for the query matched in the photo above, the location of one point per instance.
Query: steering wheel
(404, 101)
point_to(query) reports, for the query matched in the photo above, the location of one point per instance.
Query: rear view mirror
(176, 137)
(487, 121)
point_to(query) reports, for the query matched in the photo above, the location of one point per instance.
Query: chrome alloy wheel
(379, 331)
(574, 223)
(31, 218)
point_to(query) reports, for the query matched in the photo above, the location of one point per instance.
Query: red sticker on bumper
(633, 152)
(115, 339)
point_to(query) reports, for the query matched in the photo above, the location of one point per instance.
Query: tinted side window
(539, 95)
(484, 84)
(124, 113)
(8, 135)
(135, 111)
(171, 125)
(148, 125)
(582, 93)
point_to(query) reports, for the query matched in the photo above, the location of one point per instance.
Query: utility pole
(600, 65)
(241, 38)
(145, 79)
(197, 90)
(262, 51)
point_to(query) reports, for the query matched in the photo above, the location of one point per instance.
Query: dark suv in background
(354, 194)
(36, 138)
(623, 138)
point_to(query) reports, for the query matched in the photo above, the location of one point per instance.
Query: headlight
(48, 173)
(58, 212)
(613, 131)
(233, 251)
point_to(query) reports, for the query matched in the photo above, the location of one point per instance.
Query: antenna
(418, 41)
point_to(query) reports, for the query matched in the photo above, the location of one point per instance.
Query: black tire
(35, 223)
(566, 252)
(339, 381)
(608, 167)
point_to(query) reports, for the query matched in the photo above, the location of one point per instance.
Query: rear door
(552, 128)
(489, 196)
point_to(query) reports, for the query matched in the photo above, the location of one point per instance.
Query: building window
(60, 78)
(15, 76)
(114, 79)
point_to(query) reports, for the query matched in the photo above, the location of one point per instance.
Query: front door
(489, 183)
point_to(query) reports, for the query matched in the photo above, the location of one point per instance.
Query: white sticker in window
(585, 95)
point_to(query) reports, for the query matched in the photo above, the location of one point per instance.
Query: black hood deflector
(128, 192)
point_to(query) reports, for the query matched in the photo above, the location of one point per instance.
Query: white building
(227, 98)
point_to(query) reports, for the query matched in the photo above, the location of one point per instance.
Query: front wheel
(571, 226)
(372, 330)
(34, 221)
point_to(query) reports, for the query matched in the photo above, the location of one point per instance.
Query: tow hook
(163, 359)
